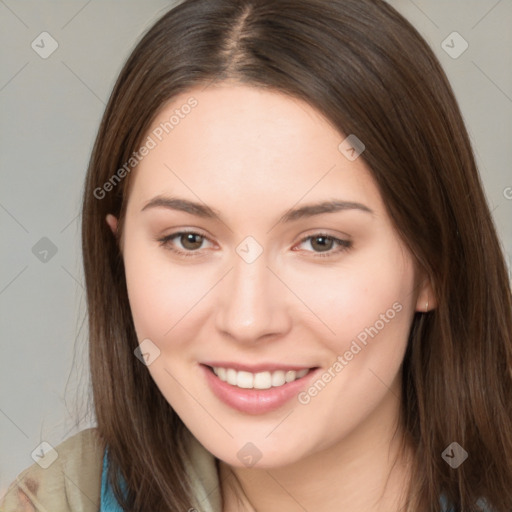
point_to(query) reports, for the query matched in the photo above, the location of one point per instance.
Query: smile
(260, 380)
(259, 391)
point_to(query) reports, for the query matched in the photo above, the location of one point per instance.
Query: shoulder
(202, 470)
(71, 482)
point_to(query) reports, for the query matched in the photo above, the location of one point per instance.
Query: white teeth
(260, 380)
(230, 376)
(301, 373)
(278, 378)
(290, 375)
(221, 373)
(244, 380)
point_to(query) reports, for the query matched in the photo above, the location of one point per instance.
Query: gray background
(50, 111)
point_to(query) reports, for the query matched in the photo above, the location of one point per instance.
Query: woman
(297, 298)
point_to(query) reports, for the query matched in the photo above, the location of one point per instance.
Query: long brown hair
(370, 73)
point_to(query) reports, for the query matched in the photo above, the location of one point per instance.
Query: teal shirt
(110, 504)
(108, 500)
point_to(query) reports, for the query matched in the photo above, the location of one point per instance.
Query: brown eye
(184, 243)
(322, 243)
(191, 241)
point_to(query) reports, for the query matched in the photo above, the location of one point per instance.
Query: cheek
(162, 295)
(360, 298)
(370, 306)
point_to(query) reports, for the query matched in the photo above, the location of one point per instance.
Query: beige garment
(73, 482)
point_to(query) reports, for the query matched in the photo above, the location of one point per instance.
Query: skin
(252, 155)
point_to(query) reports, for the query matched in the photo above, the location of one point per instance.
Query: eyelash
(344, 245)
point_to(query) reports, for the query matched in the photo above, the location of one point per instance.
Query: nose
(253, 303)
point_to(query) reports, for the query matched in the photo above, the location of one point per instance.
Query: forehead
(251, 145)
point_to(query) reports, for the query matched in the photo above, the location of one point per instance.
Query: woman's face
(274, 282)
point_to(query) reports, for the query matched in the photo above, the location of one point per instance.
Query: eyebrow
(203, 210)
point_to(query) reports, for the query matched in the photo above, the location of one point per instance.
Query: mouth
(258, 380)
(257, 389)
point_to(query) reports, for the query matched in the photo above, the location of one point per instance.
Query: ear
(426, 300)
(112, 222)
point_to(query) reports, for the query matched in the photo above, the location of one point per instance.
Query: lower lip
(255, 401)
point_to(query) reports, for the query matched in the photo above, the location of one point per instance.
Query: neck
(366, 471)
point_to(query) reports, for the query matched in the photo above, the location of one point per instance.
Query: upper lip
(255, 368)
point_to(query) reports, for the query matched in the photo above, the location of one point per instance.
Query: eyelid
(343, 244)
(164, 240)
(344, 237)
